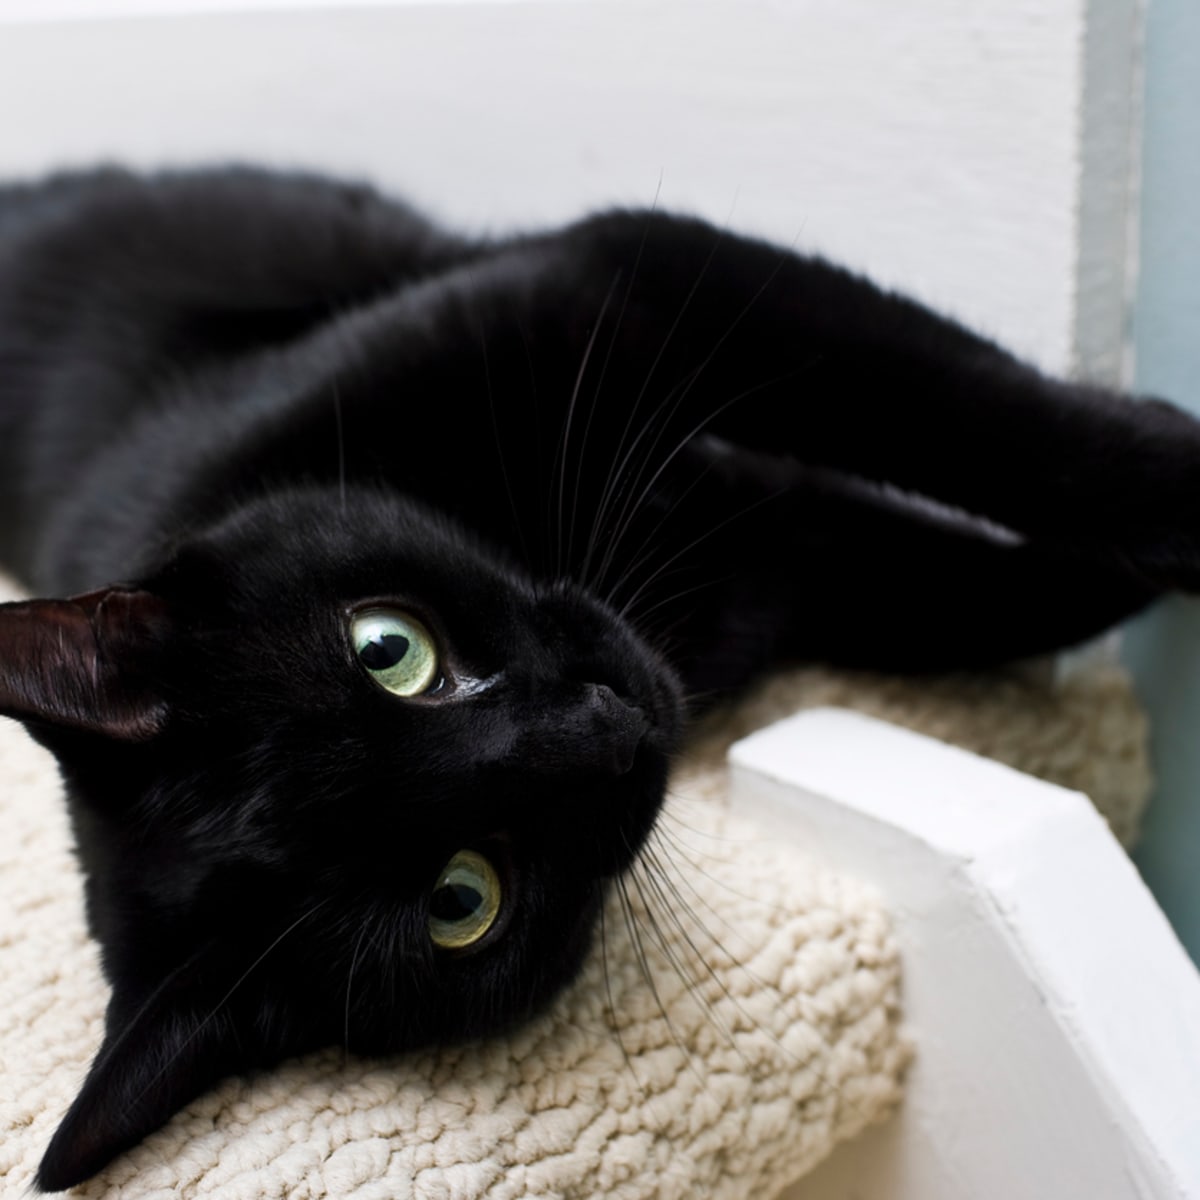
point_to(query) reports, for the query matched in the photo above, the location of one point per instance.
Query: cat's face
(364, 785)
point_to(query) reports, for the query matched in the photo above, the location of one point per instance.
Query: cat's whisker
(757, 983)
(673, 879)
(677, 847)
(685, 973)
(349, 985)
(674, 326)
(694, 375)
(612, 342)
(518, 526)
(709, 532)
(611, 1008)
(536, 423)
(220, 1004)
(639, 619)
(643, 960)
(701, 426)
(624, 456)
(653, 898)
(570, 418)
(669, 953)
(341, 444)
(113, 1047)
(632, 507)
(666, 880)
(654, 424)
(581, 458)
(674, 508)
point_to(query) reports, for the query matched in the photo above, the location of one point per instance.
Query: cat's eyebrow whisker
(640, 618)
(566, 433)
(741, 512)
(698, 428)
(612, 342)
(690, 382)
(637, 403)
(581, 458)
(518, 525)
(341, 444)
(625, 517)
(671, 511)
(631, 506)
(523, 335)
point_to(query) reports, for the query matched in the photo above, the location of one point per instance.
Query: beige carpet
(781, 1042)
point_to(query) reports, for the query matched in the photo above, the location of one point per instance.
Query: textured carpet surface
(771, 1032)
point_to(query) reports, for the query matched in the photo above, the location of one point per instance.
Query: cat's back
(114, 286)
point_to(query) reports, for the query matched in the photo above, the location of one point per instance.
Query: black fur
(610, 467)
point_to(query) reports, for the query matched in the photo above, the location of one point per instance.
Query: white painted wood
(1056, 1017)
(1110, 152)
(937, 145)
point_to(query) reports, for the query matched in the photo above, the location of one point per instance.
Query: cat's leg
(837, 571)
(794, 356)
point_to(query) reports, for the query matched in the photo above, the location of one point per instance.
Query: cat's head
(338, 775)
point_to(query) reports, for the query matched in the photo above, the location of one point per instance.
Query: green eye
(396, 649)
(464, 902)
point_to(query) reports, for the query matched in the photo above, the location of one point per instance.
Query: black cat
(397, 560)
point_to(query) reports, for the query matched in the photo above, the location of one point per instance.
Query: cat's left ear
(85, 663)
(160, 1051)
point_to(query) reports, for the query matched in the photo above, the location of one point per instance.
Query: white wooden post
(1055, 1015)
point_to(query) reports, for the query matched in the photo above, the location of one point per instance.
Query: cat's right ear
(87, 663)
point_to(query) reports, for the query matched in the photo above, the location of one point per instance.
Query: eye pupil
(384, 651)
(455, 902)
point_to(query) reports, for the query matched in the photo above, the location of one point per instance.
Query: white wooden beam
(1056, 1018)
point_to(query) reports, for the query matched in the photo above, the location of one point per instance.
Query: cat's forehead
(312, 559)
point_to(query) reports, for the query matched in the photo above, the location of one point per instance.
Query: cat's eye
(397, 650)
(465, 901)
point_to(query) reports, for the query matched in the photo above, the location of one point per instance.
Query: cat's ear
(85, 663)
(159, 1053)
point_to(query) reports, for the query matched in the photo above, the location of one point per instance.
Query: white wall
(939, 145)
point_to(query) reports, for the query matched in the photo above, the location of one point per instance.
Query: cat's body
(603, 469)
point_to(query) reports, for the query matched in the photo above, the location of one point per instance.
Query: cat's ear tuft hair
(159, 1053)
(85, 663)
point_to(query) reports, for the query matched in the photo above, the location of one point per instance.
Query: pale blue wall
(1164, 648)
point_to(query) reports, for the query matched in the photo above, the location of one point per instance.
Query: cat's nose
(609, 730)
(577, 730)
